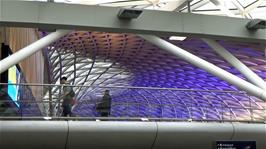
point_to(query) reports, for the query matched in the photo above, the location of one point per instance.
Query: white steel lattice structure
(109, 59)
(96, 59)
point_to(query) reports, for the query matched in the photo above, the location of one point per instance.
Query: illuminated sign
(13, 78)
(235, 144)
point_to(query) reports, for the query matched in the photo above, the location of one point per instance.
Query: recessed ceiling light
(180, 38)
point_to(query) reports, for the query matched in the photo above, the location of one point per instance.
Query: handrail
(225, 116)
(125, 87)
(198, 104)
(129, 104)
(126, 118)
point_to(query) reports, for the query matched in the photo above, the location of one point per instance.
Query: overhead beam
(66, 16)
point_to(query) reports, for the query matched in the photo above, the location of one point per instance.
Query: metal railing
(42, 100)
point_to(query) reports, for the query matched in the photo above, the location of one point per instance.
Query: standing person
(105, 105)
(68, 95)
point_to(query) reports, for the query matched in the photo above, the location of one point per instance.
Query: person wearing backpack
(105, 105)
(68, 95)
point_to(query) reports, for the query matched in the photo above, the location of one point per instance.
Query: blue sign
(235, 144)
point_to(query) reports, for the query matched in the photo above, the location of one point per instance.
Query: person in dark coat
(105, 105)
(68, 95)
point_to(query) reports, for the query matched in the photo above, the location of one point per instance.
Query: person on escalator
(105, 105)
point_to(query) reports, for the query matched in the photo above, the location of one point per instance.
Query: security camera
(256, 24)
(129, 13)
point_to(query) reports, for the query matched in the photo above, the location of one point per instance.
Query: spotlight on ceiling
(256, 24)
(180, 38)
(126, 13)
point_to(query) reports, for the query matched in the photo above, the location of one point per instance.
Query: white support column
(31, 49)
(209, 67)
(249, 74)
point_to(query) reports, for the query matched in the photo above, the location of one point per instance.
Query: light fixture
(47, 118)
(180, 38)
(144, 119)
(126, 13)
(256, 24)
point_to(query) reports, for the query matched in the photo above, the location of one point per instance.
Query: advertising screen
(13, 78)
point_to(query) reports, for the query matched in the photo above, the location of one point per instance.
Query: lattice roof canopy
(108, 59)
(111, 59)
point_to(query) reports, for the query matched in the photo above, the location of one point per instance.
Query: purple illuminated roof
(107, 59)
